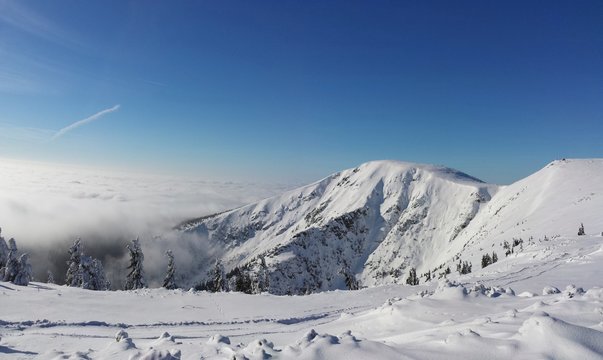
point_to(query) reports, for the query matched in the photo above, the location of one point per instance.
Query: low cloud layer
(46, 207)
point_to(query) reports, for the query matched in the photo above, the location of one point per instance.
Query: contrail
(84, 122)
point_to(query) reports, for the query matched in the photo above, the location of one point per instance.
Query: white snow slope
(542, 301)
(513, 312)
(382, 218)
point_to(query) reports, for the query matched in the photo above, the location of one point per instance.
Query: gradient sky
(290, 91)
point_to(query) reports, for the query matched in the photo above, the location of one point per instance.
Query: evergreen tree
(239, 280)
(168, 281)
(217, 278)
(12, 245)
(100, 280)
(50, 277)
(83, 271)
(464, 267)
(16, 269)
(445, 273)
(13, 265)
(412, 277)
(486, 260)
(262, 281)
(73, 278)
(243, 283)
(350, 279)
(92, 274)
(23, 272)
(135, 278)
(3, 252)
(581, 230)
(508, 249)
(494, 257)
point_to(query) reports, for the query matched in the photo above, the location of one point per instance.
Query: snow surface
(475, 316)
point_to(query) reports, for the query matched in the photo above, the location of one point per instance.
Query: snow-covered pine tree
(508, 249)
(92, 274)
(218, 277)
(464, 267)
(83, 271)
(262, 282)
(135, 278)
(350, 280)
(12, 245)
(239, 280)
(101, 282)
(12, 267)
(243, 283)
(168, 281)
(412, 277)
(24, 273)
(73, 276)
(581, 230)
(3, 251)
(494, 257)
(486, 260)
(50, 279)
(445, 273)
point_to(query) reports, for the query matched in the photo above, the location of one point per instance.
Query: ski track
(284, 321)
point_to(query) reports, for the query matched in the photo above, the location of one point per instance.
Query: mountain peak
(371, 224)
(588, 162)
(384, 167)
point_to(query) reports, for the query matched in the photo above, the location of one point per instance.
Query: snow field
(507, 310)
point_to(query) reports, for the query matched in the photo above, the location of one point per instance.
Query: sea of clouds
(45, 207)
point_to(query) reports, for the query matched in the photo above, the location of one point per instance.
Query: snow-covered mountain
(552, 202)
(543, 301)
(371, 224)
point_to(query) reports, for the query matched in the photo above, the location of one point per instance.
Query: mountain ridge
(372, 223)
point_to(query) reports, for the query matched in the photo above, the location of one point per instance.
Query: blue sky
(291, 91)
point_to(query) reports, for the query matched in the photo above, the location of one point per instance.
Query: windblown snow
(542, 299)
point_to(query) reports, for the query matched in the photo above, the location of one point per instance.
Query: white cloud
(37, 135)
(85, 121)
(46, 206)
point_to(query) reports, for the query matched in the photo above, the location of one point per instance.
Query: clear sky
(291, 91)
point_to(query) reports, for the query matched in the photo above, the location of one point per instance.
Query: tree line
(86, 272)
(82, 270)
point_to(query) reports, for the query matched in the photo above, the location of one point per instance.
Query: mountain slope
(371, 222)
(552, 202)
